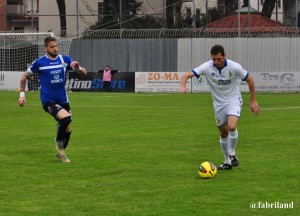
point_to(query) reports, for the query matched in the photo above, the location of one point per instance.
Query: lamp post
(296, 13)
(249, 26)
(239, 19)
(206, 9)
(32, 16)
(120, 18)
(194, 15)
(77, 19)
(5, 5)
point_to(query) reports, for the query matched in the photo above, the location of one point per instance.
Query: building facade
(43, 16)
(19, 15)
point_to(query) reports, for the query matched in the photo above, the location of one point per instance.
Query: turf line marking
(280, 108)
(162, 107)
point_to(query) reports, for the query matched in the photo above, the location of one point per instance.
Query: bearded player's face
(52, 49)
(218, 60)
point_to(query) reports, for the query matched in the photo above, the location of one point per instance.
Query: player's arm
(253, 104)
(78, 68)
(183, 81)
(24, 77)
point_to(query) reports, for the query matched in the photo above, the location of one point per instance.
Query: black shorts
(53, 108)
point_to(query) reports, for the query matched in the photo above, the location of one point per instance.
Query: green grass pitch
(138, 154)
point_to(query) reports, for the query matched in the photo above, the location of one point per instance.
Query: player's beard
(53, 55)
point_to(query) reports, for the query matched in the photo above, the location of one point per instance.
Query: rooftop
(256, 20)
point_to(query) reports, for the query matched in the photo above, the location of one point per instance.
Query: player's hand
(182, 89)
(75, 65)
(22, 101)
(254, 107)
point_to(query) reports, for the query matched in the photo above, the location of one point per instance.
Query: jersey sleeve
(68, 61)
(198, 71)
(241, 72)
(34, 67)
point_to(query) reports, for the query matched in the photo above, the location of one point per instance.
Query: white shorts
(223, 111)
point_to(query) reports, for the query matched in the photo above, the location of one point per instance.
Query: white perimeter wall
(254, 54)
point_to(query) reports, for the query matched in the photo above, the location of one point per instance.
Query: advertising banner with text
(10, 80)
(264, 82)
(121, 82)
(159, 82)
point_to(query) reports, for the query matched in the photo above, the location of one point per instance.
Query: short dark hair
(48, 40)
(217, 49)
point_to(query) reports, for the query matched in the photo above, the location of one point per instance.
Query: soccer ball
(207, 170)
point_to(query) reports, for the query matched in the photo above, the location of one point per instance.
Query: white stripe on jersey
(51, 67)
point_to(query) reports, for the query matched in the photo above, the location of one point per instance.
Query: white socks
(228, 145)
(224, 147)
(232, 141)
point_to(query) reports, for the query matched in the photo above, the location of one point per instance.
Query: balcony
(15, 9)
(20, 10)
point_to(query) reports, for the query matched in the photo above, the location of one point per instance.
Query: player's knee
(69, 128)
(65, 122)
(231, 128)
(223, 132)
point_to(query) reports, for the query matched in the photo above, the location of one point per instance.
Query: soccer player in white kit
(222, 75)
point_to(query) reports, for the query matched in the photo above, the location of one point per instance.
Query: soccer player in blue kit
(52, 69)
(222, 75)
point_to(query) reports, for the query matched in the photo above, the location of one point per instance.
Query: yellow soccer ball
(207, 170)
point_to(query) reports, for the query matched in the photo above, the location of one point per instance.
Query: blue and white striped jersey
(52, 75)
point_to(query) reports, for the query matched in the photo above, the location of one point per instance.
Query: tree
(129, 16)
(230, 7)
(268, 8)
(213, 15)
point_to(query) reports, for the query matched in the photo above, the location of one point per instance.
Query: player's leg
(68, 131)
(109, 89)
(221, 120)
(232, 139)
(64, 129)
(105, 86)
(224, 146)
(232, 133)
(63, 119)
(233, 118)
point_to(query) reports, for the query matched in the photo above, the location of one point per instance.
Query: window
(100, 11)
(188, 12)
(279, 3)
(198, 12)
(177, 15)
(37, 5)
(18, 29)
(14, 2)
(100, 8)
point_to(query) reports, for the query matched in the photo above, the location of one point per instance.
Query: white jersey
(223, 83)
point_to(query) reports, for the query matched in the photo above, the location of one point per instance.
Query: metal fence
(193, 33)
(258, 49)
(253, 32)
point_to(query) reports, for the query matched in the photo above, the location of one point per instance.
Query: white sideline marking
(280, 108)
(161, 107)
